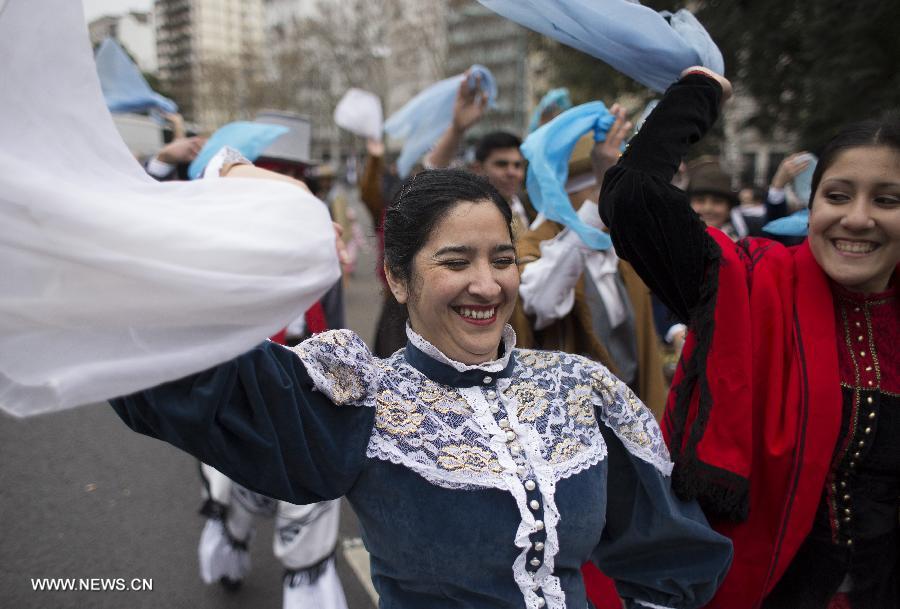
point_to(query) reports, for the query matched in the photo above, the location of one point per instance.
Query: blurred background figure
(580, 300)
(752, 201)
(172, 160)
(378, 183)
(713, 198)
(305, 536)
(497, 155)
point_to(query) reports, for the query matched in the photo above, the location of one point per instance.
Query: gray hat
(708, 178)
(292, 146)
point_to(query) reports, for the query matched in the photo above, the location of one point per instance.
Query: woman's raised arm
(651, 222)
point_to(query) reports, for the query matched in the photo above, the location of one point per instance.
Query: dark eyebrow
(877, 185)
(839, 180)
(454, 249)
(465, 249)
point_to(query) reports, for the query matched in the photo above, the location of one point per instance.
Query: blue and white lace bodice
(538, 408)
(476, 486)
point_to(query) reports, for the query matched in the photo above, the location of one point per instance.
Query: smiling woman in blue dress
(483, 475)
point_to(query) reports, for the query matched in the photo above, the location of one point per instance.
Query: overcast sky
(98, 8)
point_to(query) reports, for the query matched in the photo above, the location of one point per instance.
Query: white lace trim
(341, 366)
(429, 427)
(631, 421)
(509, 342)
(450, 437)
(530, 443)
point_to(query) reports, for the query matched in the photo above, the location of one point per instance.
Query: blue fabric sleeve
(658, 549)
(258, 420)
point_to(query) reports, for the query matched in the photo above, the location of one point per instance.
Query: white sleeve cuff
(777, 195)
(159, 169)
(673, 330)
(547, 286)
(227, 155)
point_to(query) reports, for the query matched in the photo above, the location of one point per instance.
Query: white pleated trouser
(304, 541)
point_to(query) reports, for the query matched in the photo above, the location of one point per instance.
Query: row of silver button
(529, 485)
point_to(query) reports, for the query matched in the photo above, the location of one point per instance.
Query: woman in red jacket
(785, 410)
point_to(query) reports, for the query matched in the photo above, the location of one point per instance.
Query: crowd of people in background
(680, 285)
(604, 374)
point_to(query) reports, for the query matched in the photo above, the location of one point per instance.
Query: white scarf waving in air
(112, 282)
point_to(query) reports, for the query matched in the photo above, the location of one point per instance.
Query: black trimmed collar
(448, 375)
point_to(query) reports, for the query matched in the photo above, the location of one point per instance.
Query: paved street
(84, 497)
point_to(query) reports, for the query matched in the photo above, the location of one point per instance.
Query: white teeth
(480, 314)
(854, 247)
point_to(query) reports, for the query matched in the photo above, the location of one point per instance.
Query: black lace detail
(307, 575)
(214, 510)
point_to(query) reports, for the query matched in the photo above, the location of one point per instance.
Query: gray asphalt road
(81, 496)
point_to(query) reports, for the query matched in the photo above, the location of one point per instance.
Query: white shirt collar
(508, 338)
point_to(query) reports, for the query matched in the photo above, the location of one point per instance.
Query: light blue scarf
(250, 139)
(802, 183)
(554, 98)
(123, 85)
(548, 151)
(795, 225)
(652, 48)
(422, 120)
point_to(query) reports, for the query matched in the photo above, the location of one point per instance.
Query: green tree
(811, 65)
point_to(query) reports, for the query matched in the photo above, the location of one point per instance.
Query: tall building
(174, 44)
(134, 31)
(476, 34)
(210, 57)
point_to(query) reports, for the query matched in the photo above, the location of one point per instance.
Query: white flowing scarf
(109, 281)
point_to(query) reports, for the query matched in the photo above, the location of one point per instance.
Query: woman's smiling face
(854, 222)
(464, 283)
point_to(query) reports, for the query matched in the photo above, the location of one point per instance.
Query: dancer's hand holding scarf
(548, 151)
(427, 115)
(652, 48)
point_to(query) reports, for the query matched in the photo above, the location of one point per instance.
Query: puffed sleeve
(651, 221)
(261, 420)
(660, 551)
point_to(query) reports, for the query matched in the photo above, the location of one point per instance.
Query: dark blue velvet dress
(477, 487)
